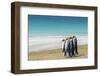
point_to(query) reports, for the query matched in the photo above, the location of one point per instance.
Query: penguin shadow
(76, 56)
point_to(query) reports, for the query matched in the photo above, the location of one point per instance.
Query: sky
(46, 25)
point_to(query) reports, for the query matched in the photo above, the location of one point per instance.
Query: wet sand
(57, 54)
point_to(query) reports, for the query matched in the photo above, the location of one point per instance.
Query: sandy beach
(57, 54)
